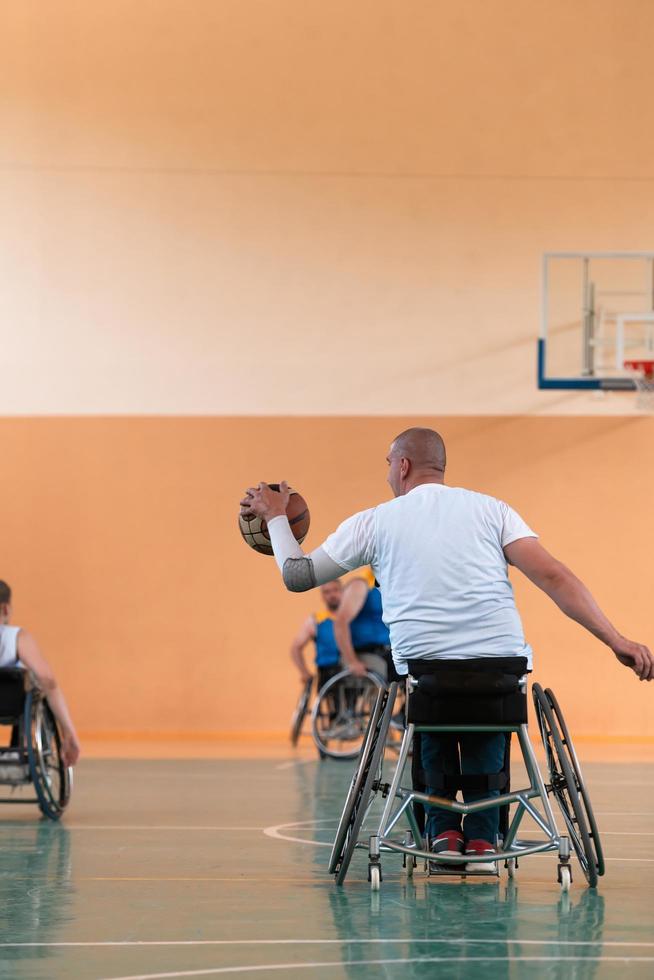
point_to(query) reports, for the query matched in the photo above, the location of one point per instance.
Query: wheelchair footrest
(436, 871)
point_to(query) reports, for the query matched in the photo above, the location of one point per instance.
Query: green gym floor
(203, 867)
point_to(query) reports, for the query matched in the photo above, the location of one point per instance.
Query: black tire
(300, 712)
(358, 776)
(566, 739)
(51, 778)
(566, 788)
(341, 713)
(352, 821)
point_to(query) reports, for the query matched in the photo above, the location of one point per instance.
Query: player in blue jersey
(320, 629)
(359, 630)
(349, 627)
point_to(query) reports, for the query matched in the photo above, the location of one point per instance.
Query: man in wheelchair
(441, 556)
(18, 648)
(349, 628)
(360, 632)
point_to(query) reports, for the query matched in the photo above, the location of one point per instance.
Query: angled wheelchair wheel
(581, 786)
(567, 785)
(365, 789)
(51, 778)
(300, 712)
(341, 713)
(359, 774)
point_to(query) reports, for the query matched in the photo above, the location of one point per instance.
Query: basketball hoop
(642, 372)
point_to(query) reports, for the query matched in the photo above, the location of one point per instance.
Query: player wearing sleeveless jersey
(18, 648)
(359, 628)
(320, 629)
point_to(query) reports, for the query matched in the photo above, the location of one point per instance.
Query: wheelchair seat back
(482, 691)
(12, 694)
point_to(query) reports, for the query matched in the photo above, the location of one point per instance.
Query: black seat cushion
(482, 691)
(12, 694)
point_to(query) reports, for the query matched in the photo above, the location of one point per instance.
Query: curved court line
(274, 832)
(260, 968)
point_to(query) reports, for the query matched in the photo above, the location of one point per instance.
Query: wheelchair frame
(566, 784)
(38, 750)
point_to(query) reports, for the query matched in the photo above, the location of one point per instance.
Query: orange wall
(183, 183)
(120, 539)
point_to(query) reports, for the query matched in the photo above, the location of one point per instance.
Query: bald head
(416, 456)
(423, 447)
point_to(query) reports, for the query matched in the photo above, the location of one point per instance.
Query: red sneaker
(479, 847)
(449, 843)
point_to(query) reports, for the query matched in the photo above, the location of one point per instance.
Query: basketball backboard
(597, 313)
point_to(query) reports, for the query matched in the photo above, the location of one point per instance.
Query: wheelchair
(34, 754)
(342, 709)
(480, 695)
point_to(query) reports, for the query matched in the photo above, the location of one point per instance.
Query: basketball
(255, 530)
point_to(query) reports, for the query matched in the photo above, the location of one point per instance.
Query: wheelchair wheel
(593, 831)
(568, 786)
(51, 778)
(300, 712)
(358, 776)
(361, 799)
(341, 713)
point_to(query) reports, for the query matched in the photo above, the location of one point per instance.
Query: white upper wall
(256, 207)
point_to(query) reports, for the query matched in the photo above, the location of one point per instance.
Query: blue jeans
(479, 754)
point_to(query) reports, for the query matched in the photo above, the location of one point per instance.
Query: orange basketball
(255, 530)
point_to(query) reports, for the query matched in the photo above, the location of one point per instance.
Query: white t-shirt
(9, 646)
(437, 555)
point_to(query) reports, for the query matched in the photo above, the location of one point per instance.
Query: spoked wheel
(567, 785)
(364, 787)
(593, 831)
(360, 772)
(300, 712)
(52, 779)
(341, 713)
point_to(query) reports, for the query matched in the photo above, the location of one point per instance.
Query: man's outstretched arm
(574, 599)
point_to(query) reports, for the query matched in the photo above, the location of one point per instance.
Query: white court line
(337, 942)
(274, 832)
(608, 833)
(294, 762)
(627, 833)
(259, 968)
(632, 860)
(83, 826)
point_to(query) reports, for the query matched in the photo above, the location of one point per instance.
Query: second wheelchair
(342, 709)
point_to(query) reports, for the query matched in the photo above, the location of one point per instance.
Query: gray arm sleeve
(300, 572)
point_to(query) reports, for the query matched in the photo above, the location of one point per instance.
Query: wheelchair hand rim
(583, 792)
(564, 788)
(39, 721)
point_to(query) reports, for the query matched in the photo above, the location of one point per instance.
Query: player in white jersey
(440, 555)
(18, 648)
